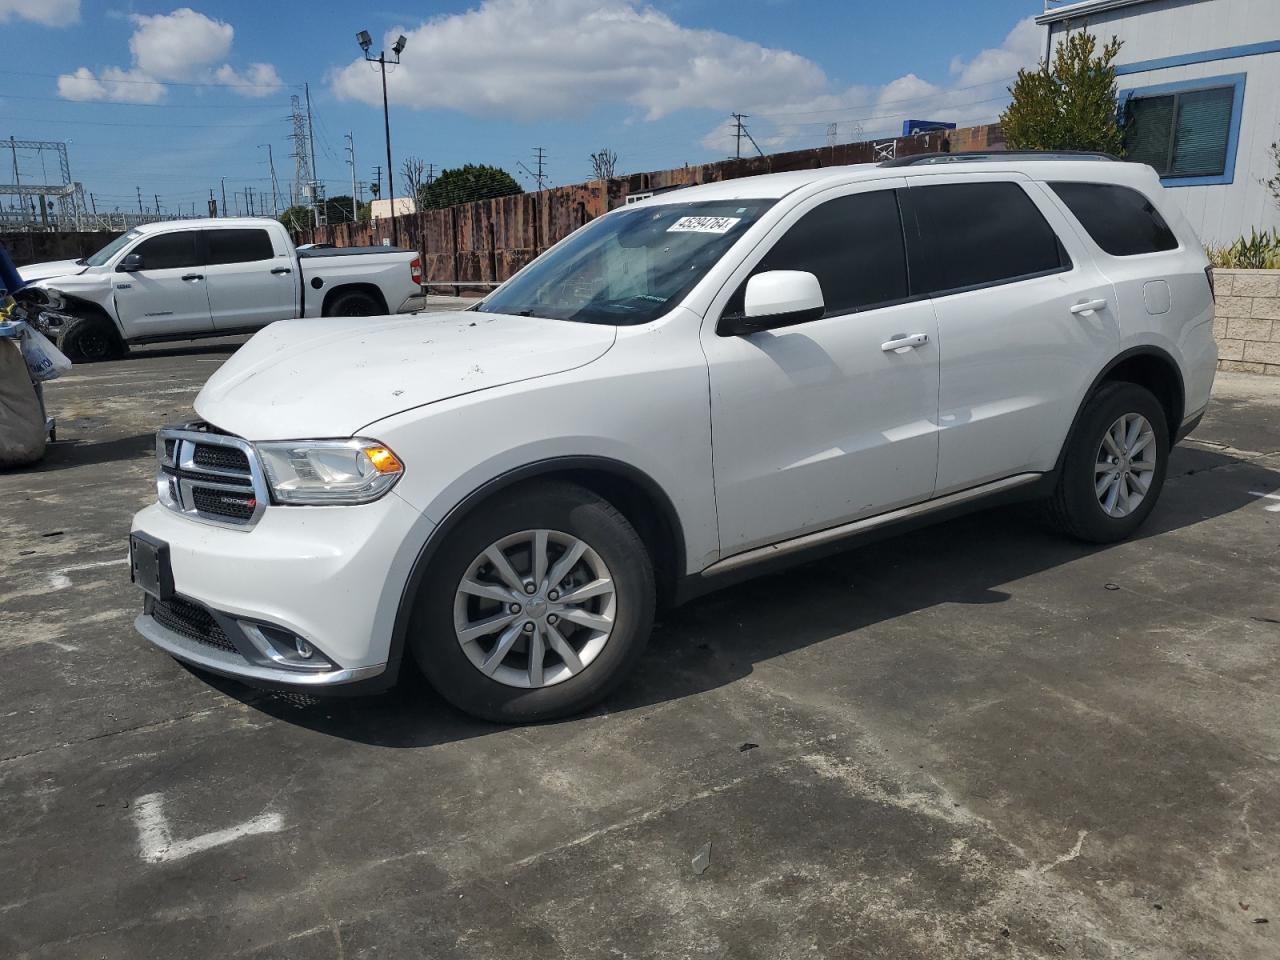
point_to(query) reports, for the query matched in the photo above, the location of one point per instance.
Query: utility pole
(213, 204)
(140, 211)
(741, 132)
(225, 212)
(540, 156)
(318, 208)
(157, 196)
(275, 187)
(249, 200)
(377, 177)
(94, 204)
(351, 159)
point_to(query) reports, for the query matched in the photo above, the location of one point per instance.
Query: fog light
(305, 650)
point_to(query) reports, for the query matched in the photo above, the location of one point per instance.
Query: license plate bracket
(149, 566)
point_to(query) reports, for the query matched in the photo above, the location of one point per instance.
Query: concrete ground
(978, 740)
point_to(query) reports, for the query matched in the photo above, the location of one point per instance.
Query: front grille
(192, 621)
(221, 458)
(223, 503)
(210, 475)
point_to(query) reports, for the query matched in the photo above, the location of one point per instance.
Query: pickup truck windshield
(107, 252)
(629, 267)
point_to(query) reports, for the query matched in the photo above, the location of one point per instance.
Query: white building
(1199, 84)
(381, 209)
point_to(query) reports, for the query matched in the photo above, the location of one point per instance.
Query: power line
(153, 83)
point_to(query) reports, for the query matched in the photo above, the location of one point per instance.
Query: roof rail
(979, 156)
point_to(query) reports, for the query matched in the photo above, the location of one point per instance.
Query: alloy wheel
(534, 608)
(1125, 465)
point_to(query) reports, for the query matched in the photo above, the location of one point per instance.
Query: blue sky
(173, 98)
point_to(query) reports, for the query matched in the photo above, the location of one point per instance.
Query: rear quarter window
(1121, 221)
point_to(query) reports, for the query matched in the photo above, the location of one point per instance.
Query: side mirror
(776, 298)
(130, 263)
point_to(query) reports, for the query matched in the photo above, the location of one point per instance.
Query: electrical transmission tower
(33, 194)
(301, 150)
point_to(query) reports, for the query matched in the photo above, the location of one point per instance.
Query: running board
(808, 540)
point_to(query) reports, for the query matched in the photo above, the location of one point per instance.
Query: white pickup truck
(207, 278)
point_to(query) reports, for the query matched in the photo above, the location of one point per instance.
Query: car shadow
(718, 639)
(64, 454)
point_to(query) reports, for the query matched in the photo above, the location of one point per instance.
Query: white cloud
(538, 58)
(976, 94)
(257, 80)
(179, 47)
(50, 13)
(113, 83)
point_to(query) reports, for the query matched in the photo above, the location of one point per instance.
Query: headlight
(318, 472)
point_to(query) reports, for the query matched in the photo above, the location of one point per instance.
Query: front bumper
(332, 576)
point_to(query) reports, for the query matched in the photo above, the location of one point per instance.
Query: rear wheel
(1115, 466)
(354, 303)
(91, 339)
(536, 606)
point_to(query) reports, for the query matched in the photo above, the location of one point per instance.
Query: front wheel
(536, 606)
(90, 340)
(1115, 465)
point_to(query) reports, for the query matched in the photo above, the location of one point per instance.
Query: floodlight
(398, 47)
(364, 40)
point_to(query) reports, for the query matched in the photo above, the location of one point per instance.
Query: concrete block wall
(1247, 324)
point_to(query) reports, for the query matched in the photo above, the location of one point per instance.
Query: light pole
(397, 48)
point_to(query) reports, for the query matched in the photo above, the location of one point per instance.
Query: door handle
(193, 276)
(280, 270)
(1088, 307)
(905, 342)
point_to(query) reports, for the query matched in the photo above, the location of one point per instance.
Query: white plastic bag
(44, 360)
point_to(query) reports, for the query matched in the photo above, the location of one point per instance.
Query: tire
(355, 303)
(91, 340)
(566, 514)
(1080, 502)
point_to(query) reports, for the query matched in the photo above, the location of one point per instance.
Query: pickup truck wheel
(354, 303)
(91, 339)
(1115, 466)
(536, 606)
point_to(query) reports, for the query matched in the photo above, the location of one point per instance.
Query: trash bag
(44, 360)
(22, 430)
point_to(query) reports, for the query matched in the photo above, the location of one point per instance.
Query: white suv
(684, 392)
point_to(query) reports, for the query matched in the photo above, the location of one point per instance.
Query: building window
(1186, 131)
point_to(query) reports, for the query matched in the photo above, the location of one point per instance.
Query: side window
(238, 246)
(1182, 134)
(979, 234)
(853, 245)
(1121, 220)
(168, 251)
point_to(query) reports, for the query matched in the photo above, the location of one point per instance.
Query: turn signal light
(383, 460)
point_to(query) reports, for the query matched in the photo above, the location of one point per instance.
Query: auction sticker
(704, 225)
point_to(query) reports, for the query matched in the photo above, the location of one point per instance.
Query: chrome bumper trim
(233, 665)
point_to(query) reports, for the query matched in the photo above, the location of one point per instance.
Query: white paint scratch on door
(157, 845)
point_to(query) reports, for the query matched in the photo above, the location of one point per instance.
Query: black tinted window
(238, 246)
(853, 245)
(983, 233)
(1121, 221)
(168, 250)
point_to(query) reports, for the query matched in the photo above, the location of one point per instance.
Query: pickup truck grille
(210, 476)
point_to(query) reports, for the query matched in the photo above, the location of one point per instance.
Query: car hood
(54, 268)
(331, 377)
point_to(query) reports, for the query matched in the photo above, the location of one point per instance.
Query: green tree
(475, 181)
(337, 210)
(1069, 104)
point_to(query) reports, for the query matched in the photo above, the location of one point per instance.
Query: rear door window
(981, 234)
(168, 251)
(238, 246)
(853, 245)
(1120, 220)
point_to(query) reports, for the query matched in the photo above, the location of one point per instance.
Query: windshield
(629, 267)
(109, 251)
